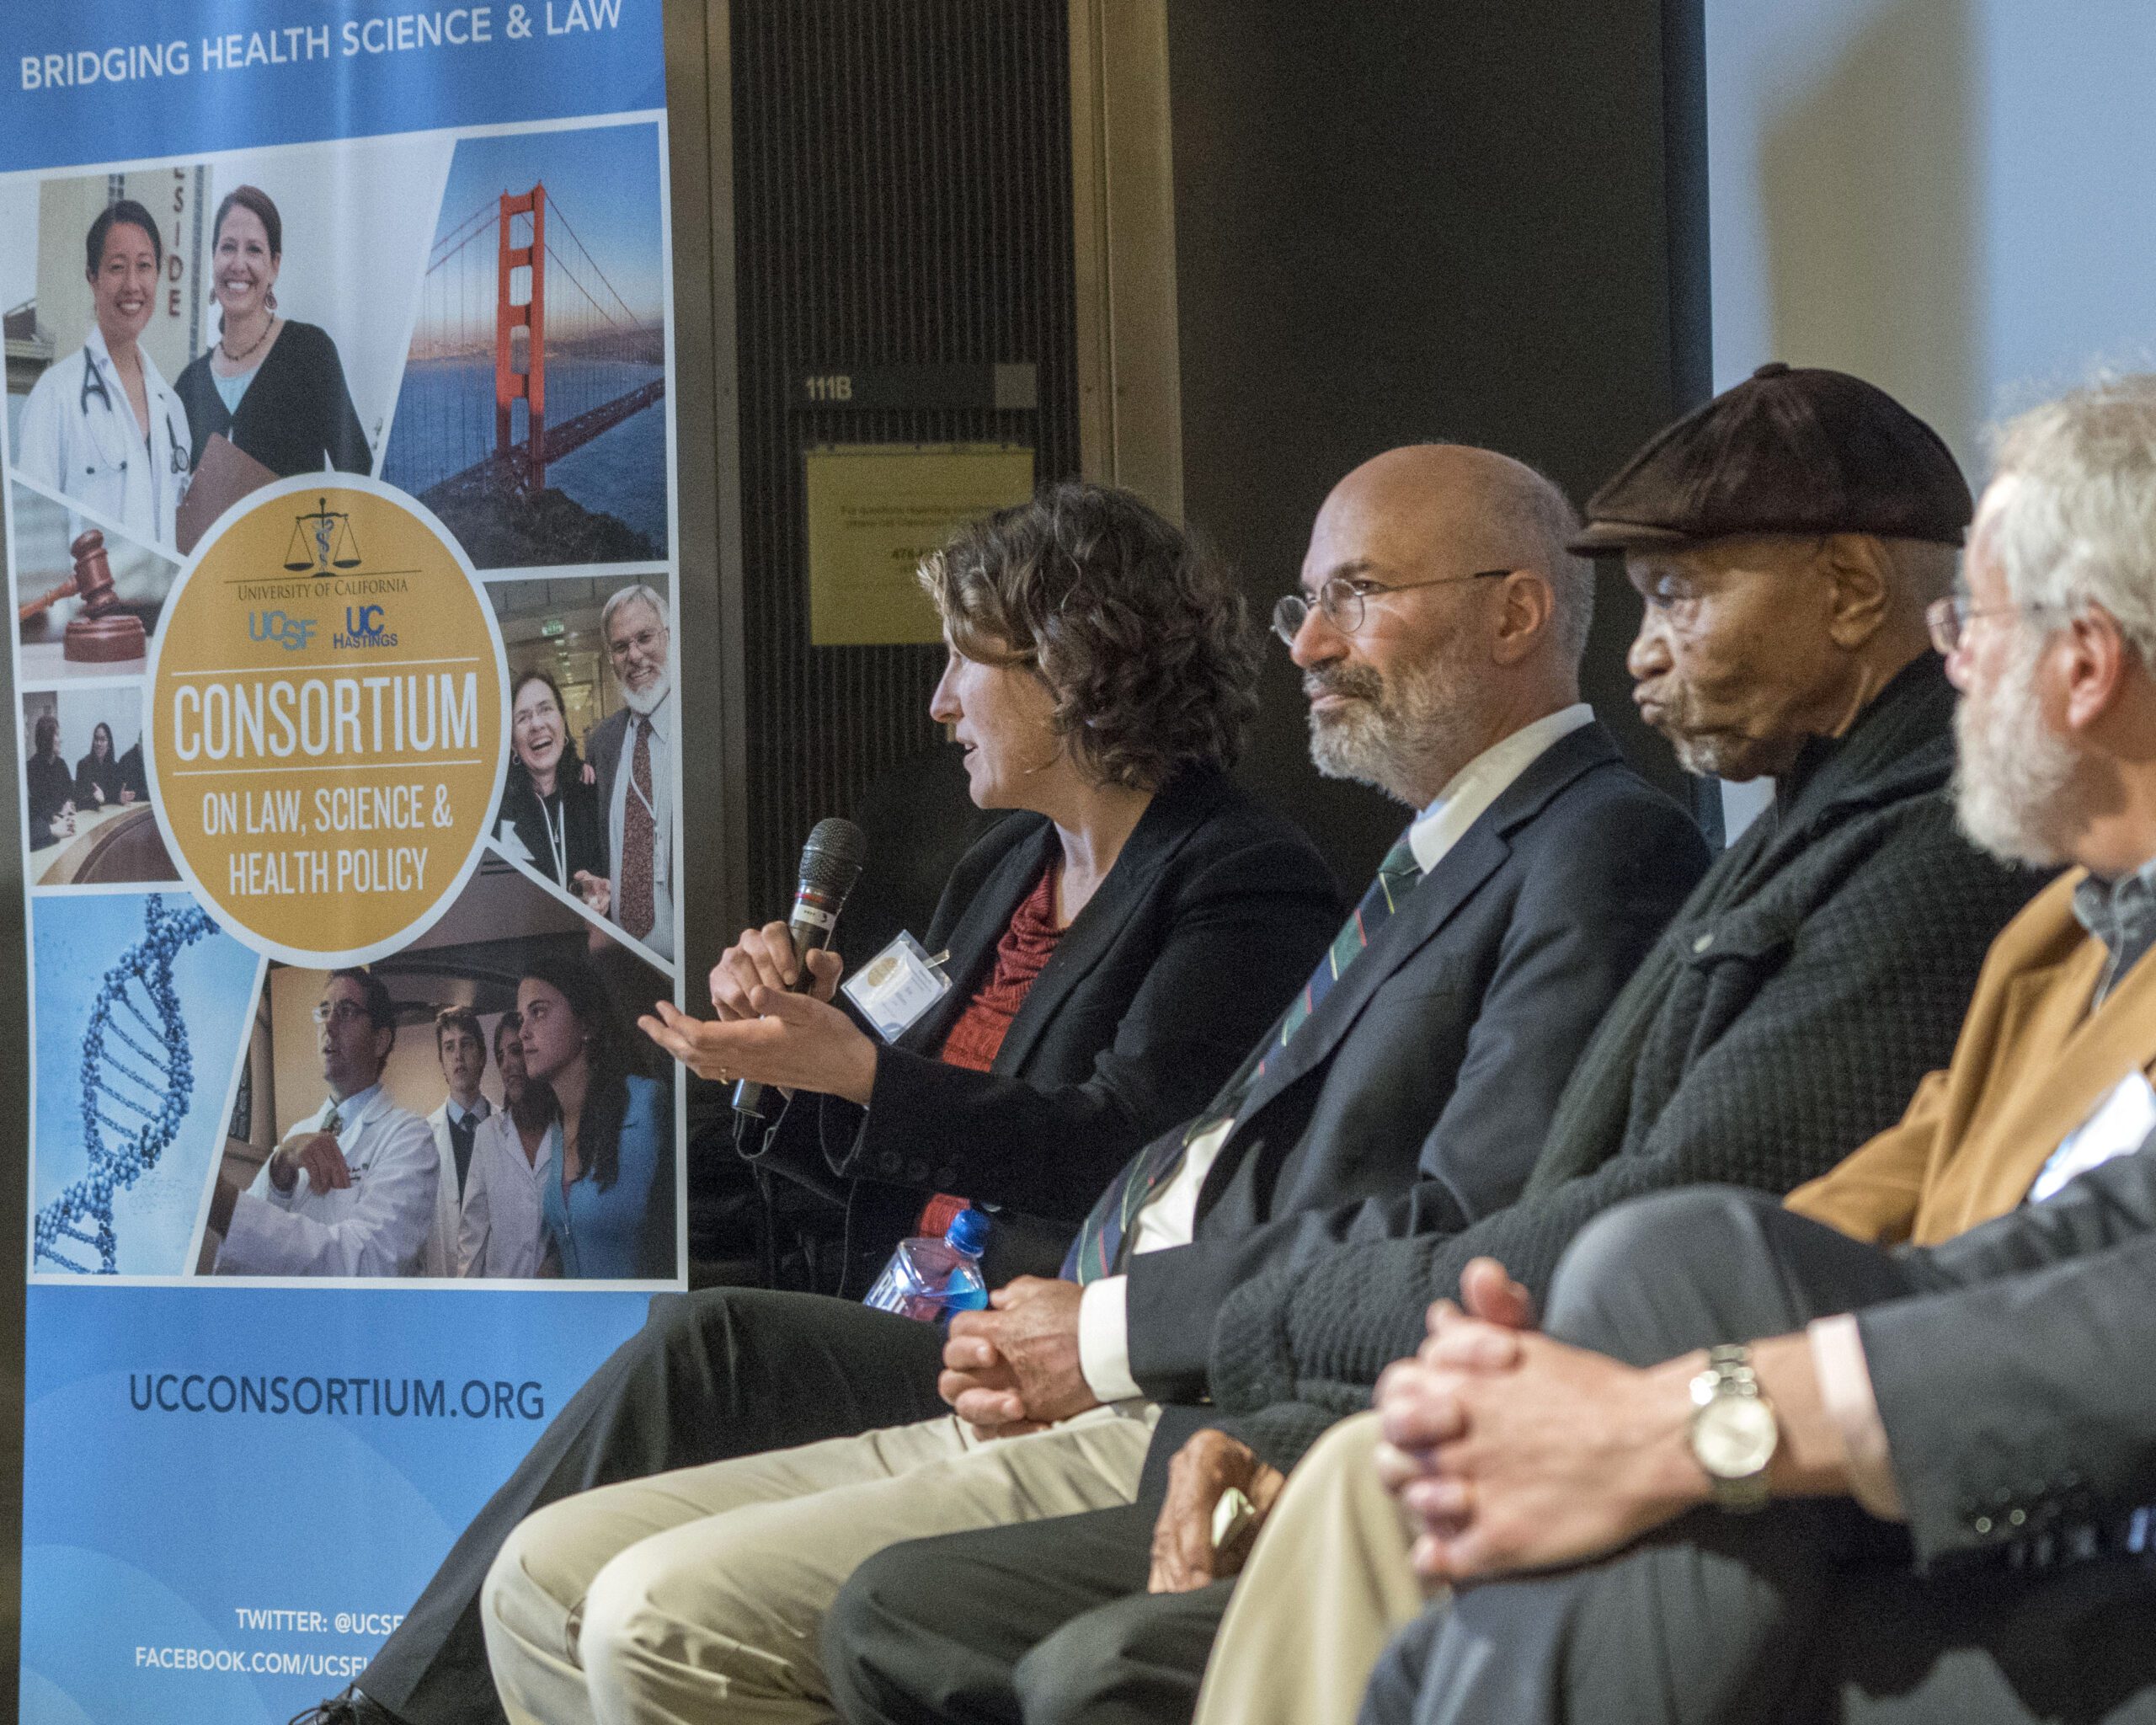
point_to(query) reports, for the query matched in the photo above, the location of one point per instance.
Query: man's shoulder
(1606, 821)
(397, 1124)
(609, 732)
(1919, 852)
(1903, 886)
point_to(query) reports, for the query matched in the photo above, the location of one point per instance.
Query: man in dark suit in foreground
(1821, 969)
(1440, 630)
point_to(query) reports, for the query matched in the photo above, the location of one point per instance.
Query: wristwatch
(1734, 1433)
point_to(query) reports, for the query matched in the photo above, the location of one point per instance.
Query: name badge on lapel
(898, 985)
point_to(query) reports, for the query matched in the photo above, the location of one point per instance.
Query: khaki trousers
(697, 1595)
(1327, 1584)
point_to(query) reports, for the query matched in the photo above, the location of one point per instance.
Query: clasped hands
(1015, 1368)
(1511, 1451)
(766, 1033)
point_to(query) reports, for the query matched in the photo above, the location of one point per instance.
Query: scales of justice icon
(322, 540)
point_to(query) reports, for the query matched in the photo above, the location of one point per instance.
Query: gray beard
(643, 703)
(1395, 739)
(2013, 779)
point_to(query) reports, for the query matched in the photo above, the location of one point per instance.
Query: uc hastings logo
(364, 629)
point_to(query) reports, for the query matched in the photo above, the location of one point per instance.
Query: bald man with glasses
(1407, 1082)
(1785, 540)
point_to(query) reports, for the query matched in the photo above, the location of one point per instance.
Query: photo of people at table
(88, 799)
(476, 1107)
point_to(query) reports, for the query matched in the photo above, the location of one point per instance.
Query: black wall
(902, 197)
(1474, 223)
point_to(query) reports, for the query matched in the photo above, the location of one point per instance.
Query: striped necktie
(1097, 1250)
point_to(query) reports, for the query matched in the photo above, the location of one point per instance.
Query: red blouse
(978, 1033)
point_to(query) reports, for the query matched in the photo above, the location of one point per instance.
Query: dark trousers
(1806, 1611)
(711, 1375)
(1044, 1622)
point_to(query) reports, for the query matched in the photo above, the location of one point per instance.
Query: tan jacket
(2030, 1065)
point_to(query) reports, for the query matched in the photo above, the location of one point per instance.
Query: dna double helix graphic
(138, 1077)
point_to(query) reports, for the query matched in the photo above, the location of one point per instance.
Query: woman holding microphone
(1113, 950)
(102, 426)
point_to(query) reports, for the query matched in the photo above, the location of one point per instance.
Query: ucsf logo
(290, 633)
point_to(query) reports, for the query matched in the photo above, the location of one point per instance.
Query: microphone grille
(831, 861)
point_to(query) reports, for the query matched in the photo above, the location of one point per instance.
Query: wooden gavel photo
(103, 632)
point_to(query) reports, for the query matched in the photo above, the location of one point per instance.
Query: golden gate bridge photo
(524, 359)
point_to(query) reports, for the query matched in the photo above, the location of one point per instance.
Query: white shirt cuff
(1845, 1389)
(1104, 1339)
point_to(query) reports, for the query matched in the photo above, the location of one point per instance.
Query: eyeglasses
(1341, 600)
(1949, 619)
(338, 1013)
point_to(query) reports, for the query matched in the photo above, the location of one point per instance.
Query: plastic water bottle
(929, 1279)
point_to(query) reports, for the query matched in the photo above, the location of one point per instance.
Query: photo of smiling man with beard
(632, 751)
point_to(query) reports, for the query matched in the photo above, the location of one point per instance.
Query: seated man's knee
(1341, 1457)
(616, 1608)
(1138, 1656)
(1609, 1291)
(869, 1625)
(521, 1593)
(1075, 1672)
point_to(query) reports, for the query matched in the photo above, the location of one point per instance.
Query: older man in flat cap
(1760, 1470)
(1787, 538)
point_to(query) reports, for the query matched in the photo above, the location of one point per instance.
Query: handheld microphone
(830, 863)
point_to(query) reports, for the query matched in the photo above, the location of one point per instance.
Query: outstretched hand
(793, 1043)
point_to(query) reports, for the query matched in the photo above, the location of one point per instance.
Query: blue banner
(112, 81)
(342, 524)
(233, 1504)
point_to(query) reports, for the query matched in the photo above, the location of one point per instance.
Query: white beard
(643, 703)
(2013, 779)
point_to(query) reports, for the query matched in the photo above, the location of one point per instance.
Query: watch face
(1734, 1436)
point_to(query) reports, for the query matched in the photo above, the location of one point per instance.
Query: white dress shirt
(1170, 1216)
(375, 1226)
(502, 1235)
(78, 436)
(441, 1259)
(660, 718)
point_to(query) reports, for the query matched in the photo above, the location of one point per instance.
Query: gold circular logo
(327, 720)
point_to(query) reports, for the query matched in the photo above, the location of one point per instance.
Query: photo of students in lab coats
(476, 1107)
(102, 426)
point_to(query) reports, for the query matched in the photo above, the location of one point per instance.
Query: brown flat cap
(1805, 450)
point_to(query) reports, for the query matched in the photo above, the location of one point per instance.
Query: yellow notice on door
(875, 510)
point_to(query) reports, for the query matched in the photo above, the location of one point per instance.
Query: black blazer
(296, 416)
(1213, 915)
(1417, 1096)
(579, 820)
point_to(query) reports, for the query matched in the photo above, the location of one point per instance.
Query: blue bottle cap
(968, 1233)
